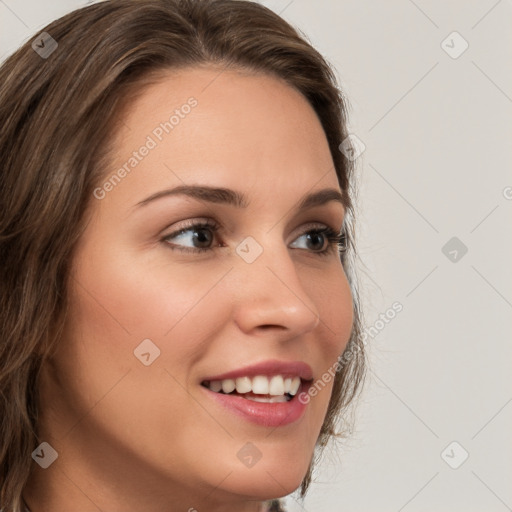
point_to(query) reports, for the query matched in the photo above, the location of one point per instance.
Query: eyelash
(337, 242)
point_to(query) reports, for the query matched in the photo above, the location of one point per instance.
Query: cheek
(117, 304)
(139, 295)
(111, 311)
(335, 306)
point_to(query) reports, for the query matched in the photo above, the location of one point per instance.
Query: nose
(271, 296)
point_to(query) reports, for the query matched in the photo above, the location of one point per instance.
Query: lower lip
(276, 414)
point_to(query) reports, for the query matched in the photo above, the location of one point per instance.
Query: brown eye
(316, 241)
(323, 240)
(198, 237)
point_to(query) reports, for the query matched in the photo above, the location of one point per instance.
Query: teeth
(277, 387)
(243, 385)
(295, 385)
(260, 385)
(216, 385)
(228, 385)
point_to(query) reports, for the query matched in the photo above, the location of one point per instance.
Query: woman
(180, 321)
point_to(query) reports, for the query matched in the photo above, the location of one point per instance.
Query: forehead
(222, 127)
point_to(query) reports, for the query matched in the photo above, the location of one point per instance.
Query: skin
(132, 437)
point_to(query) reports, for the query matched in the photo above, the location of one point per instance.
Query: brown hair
(58, 114)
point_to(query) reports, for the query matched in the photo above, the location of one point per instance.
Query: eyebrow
(230, 197)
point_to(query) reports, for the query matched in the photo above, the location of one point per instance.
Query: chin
(267, 479)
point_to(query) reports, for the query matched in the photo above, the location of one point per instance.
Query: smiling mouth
(261, 388)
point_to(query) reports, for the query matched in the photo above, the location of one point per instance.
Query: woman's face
(154, 314)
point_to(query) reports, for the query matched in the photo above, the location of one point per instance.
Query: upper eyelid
(216, 226)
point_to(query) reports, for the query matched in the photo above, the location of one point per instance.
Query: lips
(263, 393)
(267, 413)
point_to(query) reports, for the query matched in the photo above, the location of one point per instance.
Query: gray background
(436, 165)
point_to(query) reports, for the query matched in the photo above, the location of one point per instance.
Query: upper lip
(269, 368)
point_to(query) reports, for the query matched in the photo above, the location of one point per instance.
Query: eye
(324, 240)
(201, 234)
